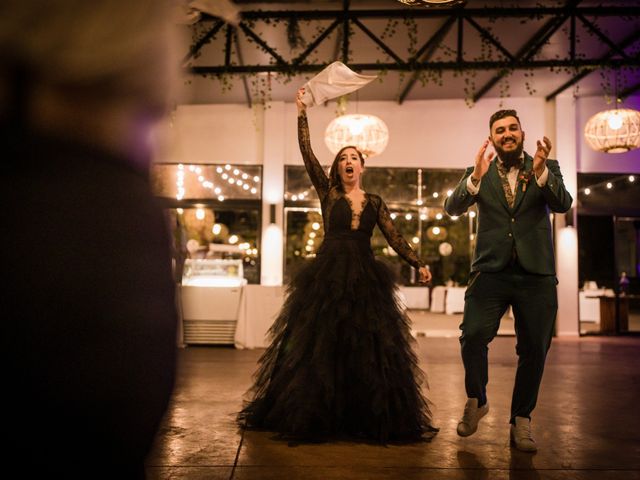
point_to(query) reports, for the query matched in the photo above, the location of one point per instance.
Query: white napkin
(189, 12)
(334, 81)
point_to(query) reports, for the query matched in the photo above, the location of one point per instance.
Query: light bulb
(356, 128)
(614, 121)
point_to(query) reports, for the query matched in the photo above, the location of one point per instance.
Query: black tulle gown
(341, 362)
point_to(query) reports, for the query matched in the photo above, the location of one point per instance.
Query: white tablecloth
(454, 300)
(259, 307)
(589, 306)
(437, 299)
(415, 298)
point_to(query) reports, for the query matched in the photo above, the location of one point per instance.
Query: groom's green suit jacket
(526, 226)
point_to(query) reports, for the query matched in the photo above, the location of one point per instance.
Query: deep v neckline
(356, 215)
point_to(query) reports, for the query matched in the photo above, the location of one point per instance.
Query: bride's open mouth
(349, 169)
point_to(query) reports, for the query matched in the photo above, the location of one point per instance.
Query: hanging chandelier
(366, 132)
(614, 131)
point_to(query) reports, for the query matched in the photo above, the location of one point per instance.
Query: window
(214, 212)
(414, 196)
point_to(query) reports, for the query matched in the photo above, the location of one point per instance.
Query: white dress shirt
(512, 176)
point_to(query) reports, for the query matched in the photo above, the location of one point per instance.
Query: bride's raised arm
(314, 169)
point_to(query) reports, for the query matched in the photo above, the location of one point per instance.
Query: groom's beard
(511, 158)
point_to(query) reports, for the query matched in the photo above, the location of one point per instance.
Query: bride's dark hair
(334, 176)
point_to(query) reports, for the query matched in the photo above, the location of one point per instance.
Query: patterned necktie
(503, 173)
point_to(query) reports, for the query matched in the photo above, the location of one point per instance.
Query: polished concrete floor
(587, 423)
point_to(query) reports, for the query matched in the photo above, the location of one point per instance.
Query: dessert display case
(210, 297)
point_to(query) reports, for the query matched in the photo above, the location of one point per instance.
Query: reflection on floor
(586, 423)
(428, 324)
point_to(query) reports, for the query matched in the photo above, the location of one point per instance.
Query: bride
(341, 362)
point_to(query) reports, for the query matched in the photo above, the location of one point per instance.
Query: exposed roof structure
(473, 50)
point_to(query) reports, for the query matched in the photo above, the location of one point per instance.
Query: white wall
(566, 238)
(216, 134)
(428, 133)
(425, 134)
(431, 134)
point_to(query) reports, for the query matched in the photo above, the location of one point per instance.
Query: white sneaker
(472, 415)
(521, 435)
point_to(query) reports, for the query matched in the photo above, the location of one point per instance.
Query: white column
(273, 194)
(567, 135)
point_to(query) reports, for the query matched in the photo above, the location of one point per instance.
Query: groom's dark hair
(500, 114)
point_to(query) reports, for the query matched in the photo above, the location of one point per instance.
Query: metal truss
(347, 20)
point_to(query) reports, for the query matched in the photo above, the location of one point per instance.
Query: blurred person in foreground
(89, 320)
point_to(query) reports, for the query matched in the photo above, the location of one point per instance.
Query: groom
(513, 265)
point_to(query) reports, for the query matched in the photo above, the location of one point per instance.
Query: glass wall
(414, 196)
(609, 253)
(214, 212)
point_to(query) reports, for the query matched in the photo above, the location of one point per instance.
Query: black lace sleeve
(397, 242)
(314, 169)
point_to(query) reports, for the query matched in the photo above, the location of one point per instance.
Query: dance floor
(587, 424)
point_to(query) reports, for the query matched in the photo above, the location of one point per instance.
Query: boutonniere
(524, 178)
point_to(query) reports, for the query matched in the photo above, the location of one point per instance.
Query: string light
(609, 184)
(423, 216)
(298, 196)
(236, 177)
(304, 195)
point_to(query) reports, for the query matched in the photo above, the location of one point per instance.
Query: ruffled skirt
(341, 362)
